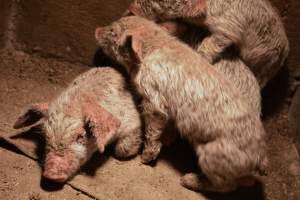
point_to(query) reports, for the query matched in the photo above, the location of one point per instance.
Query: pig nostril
(130, 14)
(55, 171)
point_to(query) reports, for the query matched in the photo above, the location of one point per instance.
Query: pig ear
(98, 33)
(33, 114)
(134, 9)
(195, 9)
(101, 123)
(174, 28)
(132, 42)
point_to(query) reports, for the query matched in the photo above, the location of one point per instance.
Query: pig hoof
(129, 146)
(124, 153)
(191, 181)
(150, 153)
(148, 157)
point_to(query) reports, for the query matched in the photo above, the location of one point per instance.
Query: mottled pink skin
(59, 167)
(97, 109)
(102, 123)
(253, 27)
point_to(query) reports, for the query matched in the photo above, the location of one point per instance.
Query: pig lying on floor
(95, 110)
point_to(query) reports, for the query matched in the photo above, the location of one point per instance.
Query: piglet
(95, 110)
(253, 26)
(179, 85)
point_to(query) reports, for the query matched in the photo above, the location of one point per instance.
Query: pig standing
(95, 110)
(179, 85)
(253, 26)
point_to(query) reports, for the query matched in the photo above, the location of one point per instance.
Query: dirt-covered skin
(95, 110)
(253, 26)
(179, 85)
(21, 73)
(229, 65)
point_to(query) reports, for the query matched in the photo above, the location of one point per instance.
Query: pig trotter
(151, 152)
(213, 46)
(155, 124)
(129, 145)
(192, 181)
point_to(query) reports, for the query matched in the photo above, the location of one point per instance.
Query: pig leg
(222, 164)
(129, 145)
(193, 181)
(224, 33)
(213, 46)
(155, 122)
(170, 134)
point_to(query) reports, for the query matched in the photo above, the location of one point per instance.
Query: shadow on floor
(180, 155)
(275, 93)
(256, 192)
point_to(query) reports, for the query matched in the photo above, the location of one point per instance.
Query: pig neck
(197, 21)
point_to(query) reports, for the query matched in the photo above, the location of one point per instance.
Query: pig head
(71, 137)
(167, 9)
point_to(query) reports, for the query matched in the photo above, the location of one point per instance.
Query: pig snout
(58, 168)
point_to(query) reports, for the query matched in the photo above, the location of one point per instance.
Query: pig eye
(48, 148)
(80, 139)
(111, 31)
(113, 34)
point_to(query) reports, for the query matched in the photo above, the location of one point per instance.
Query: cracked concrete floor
(20, 179)
(25, 79)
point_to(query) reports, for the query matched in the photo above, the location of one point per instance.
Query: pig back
(243, 79)
(231, 66)
(113, 92)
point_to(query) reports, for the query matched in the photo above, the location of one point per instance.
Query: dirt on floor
(25, 79)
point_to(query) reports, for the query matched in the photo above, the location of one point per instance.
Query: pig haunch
(95, 110)
(232, 67)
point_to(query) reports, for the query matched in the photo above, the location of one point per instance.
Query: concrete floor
(25, 79)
